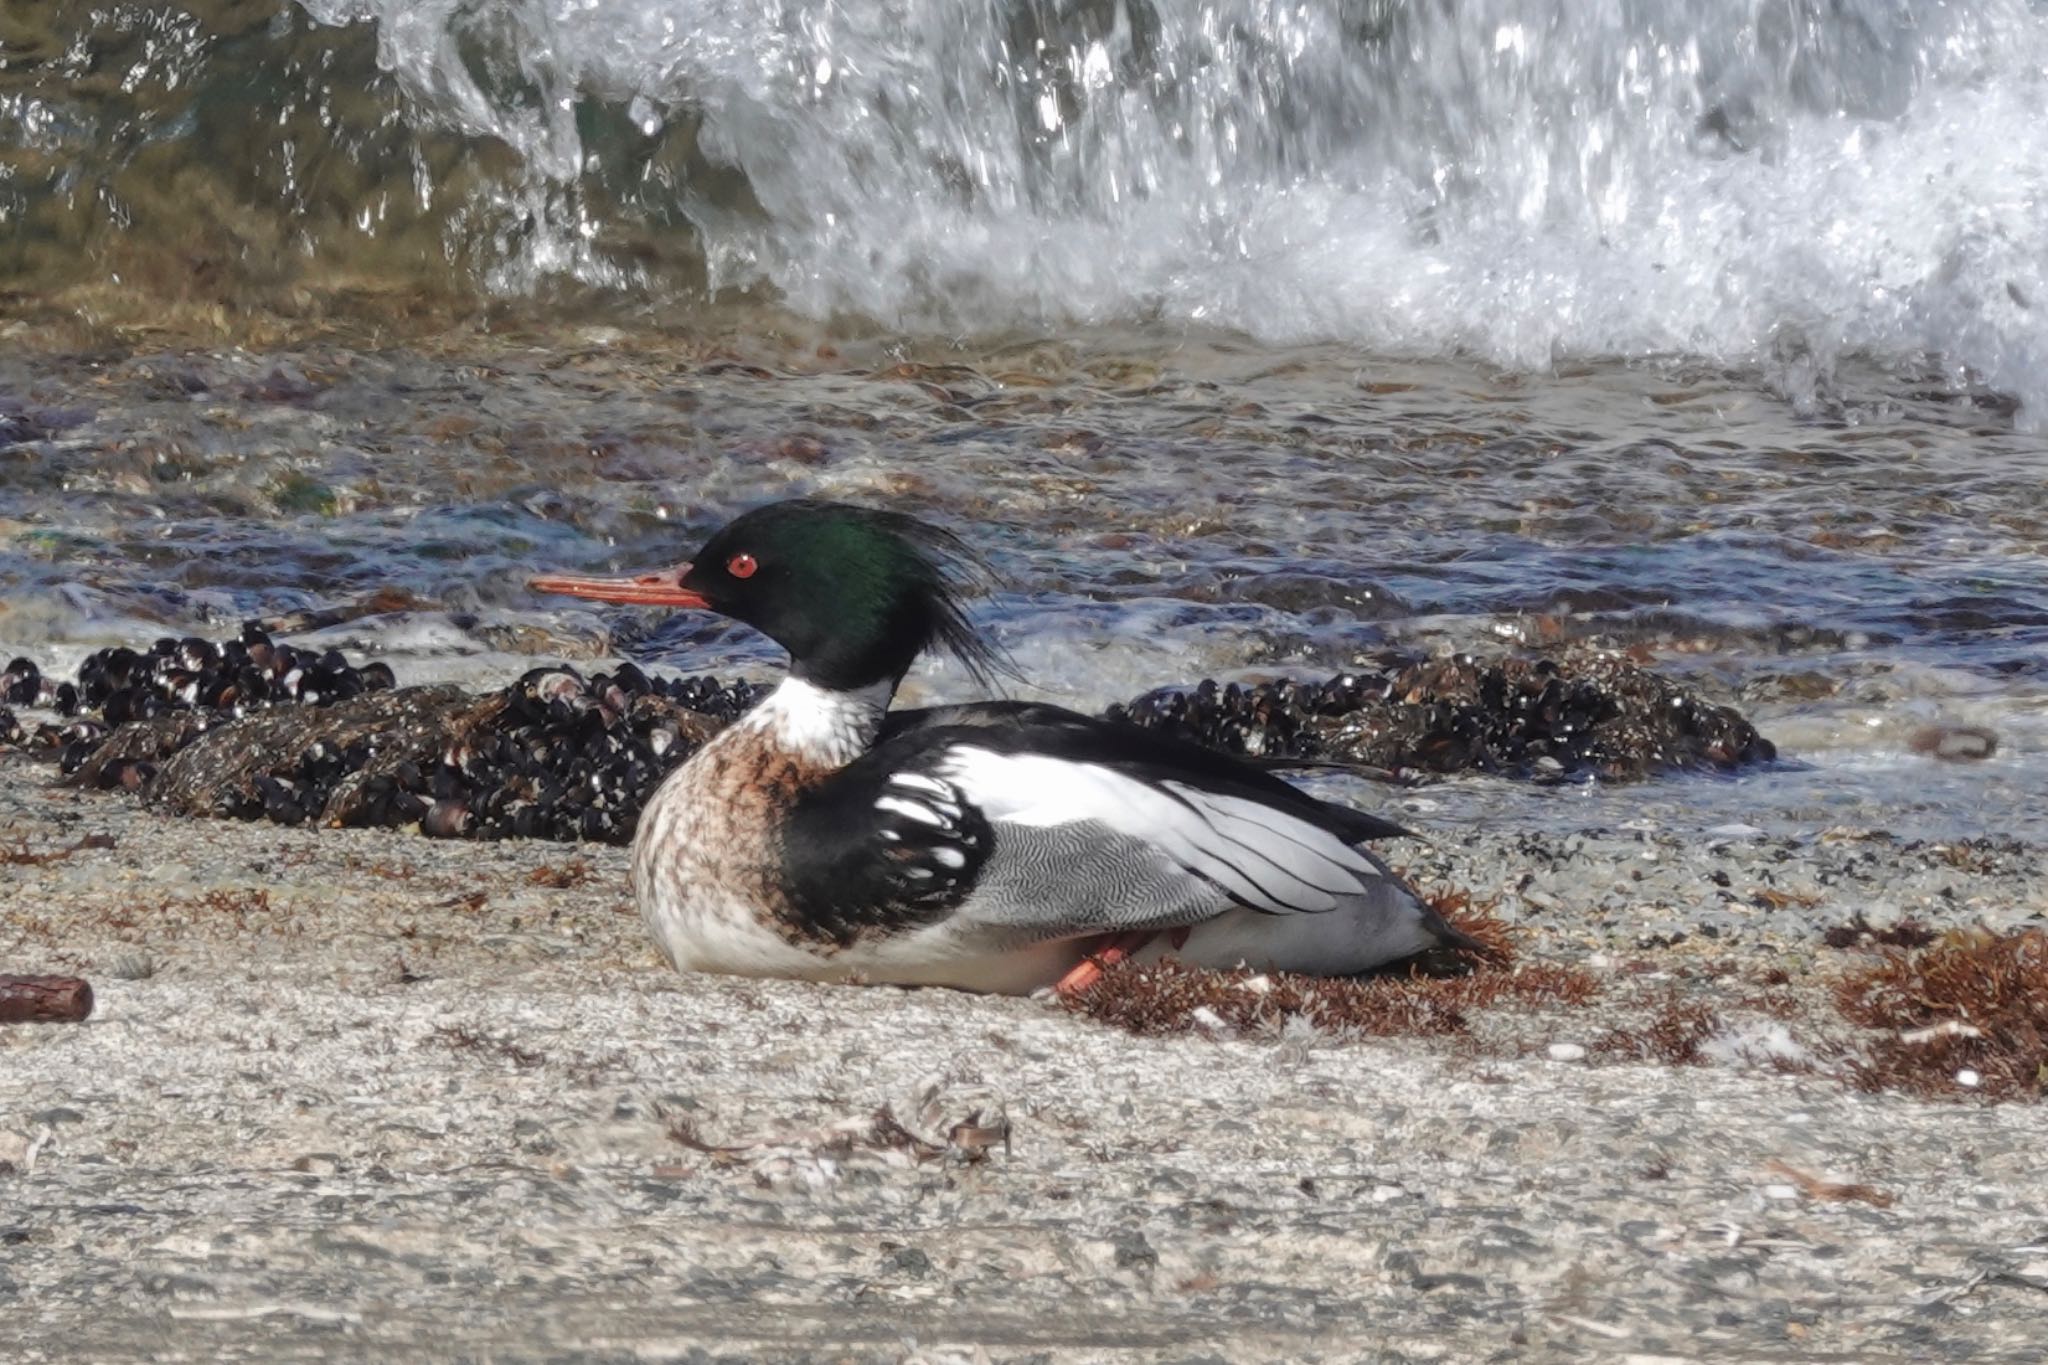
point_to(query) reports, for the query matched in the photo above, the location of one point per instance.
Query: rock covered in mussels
(1592, 716)
(254, 729)
(251, 672)
(554, 756)
(175, 690)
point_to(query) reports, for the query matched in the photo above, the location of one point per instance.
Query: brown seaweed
(1965, 1015)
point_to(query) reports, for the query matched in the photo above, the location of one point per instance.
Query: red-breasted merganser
(998, 846)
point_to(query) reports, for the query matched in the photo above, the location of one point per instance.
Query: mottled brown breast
(714, 841)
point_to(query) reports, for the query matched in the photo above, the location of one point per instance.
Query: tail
(1445, 934)
(1449, 935)
(1355, 827)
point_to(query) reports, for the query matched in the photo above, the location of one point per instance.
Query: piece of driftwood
(44, 999)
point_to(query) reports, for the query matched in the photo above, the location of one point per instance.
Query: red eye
(741, 566)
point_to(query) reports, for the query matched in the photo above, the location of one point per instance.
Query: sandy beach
(353, 1094)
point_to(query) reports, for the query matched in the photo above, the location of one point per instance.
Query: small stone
(1780, 1192)
(1133, 1251)
(1968, 1079)
(916, 1264)
(58, 1115)
(533, 1136)
(14, 1152)
(131, 966)
(1954, 743)
(1567, 1052)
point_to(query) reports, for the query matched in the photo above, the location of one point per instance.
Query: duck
(1001, 846)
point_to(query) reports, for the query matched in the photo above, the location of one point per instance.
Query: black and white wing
(1055, 732)
(1040, 822)
(1228, 848)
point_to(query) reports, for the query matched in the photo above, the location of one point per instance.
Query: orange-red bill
(664, 589)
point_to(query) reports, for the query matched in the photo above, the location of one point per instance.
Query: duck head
(854, 594)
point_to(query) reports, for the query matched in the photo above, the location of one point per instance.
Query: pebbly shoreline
(351, 1093)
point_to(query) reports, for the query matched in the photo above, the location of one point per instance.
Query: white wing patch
(923, 799)
(912, 810)
(1262, 855)
(929, 837)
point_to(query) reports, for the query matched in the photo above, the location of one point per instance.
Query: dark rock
(908, 1261)
(1469, 1284)
(1134, 1252)
(1542, 719)
(256, 728)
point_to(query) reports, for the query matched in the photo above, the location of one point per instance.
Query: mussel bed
(252, 728)
(260, 732)
(1591, 715)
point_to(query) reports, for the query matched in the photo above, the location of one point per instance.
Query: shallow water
(1245, 338)
(1159, 508)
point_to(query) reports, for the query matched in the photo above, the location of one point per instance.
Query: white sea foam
(1523, 179)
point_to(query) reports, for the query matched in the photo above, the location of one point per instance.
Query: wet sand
(355, 1094)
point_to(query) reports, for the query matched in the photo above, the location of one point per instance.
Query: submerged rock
(252, 729)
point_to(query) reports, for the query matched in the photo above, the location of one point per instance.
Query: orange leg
(1109, 950)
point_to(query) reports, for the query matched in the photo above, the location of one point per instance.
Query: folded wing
(1041, 823)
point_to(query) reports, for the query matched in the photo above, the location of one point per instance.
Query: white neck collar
(832, 727)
